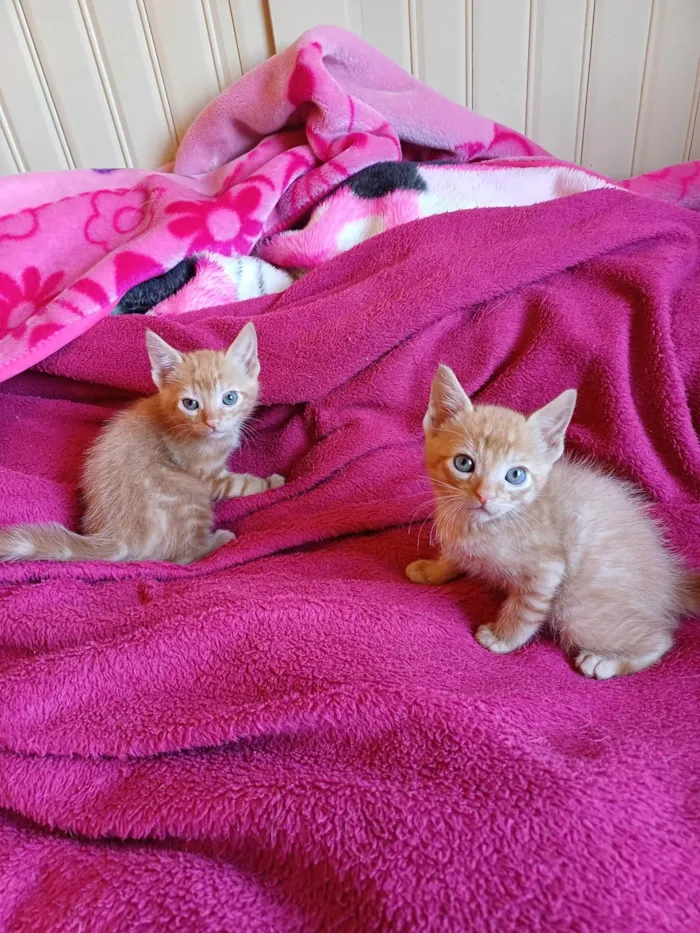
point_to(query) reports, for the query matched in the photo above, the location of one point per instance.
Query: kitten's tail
(54, 542)
(689, 594)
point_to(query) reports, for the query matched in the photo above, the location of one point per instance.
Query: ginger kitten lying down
(572, 547)
(153, 472)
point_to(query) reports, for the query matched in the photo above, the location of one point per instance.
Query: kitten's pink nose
(212, 425)
(484, 497)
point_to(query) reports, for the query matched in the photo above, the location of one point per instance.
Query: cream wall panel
(387, 26)
(251, 20)
(560, 35)
(67, 57)
(667, 101)
(620, 33)
(440, 45)
(290, 19)
(25, 97)
(500, 38)
(354, 12)
(139, 101)
(222, 37)
(187, 60)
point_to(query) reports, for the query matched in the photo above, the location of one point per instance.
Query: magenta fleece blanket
(288, 735)
(252, 167)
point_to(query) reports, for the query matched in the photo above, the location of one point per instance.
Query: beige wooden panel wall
(613, 84)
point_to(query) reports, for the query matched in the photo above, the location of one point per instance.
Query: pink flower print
(225, 226)
(119, 215)
(303, 79)
(20, 300)
(509, 143)
(19, 226)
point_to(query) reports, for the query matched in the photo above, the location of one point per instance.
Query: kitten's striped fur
(152, 474)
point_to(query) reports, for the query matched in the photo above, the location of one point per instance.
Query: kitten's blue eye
(190, 404)
(516, 476)
(230, 398)
(463, 463)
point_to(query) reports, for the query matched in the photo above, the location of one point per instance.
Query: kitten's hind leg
(433, 572)
(601, 668)
(215, 541)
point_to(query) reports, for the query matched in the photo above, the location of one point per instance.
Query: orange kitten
(570, 546)
(152, 474)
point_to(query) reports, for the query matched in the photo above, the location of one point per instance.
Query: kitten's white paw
(275, 481)
(222, 537)
(487, 639)
(596, 666)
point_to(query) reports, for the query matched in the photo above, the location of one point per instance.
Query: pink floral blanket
(280, 147)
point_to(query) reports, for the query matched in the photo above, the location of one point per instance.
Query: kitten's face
(207, 395)
(488, 462)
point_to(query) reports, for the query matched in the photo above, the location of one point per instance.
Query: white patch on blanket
(461, 189)
(253, 277)
(357, 231)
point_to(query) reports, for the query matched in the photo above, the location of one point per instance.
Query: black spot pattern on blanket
(382, 178)
(141, 298)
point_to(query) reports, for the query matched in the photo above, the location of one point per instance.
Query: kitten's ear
(553, 420)
(447, 399)
(244, 351)
(164, 358)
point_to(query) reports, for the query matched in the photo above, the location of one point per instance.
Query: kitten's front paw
(596, 666)
(419, 571)
(486, 638)
(275, 481)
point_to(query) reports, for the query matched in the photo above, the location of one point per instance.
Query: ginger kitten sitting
(151, 476)
(571, 546)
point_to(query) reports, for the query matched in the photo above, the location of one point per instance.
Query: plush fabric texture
(289, 735)
(219, 280)
(254, 164)
(387, 194)
(142, 297)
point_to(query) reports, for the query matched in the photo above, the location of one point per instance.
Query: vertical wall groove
(235, 36)
(692, 116)
(155, 64)
(585, 76)
(43, 83)
(416, 69)
(268, 26)
(653, 12)
(214, 43)
(105, 82)
(531, 66)
(469, 52)
(11, 141)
